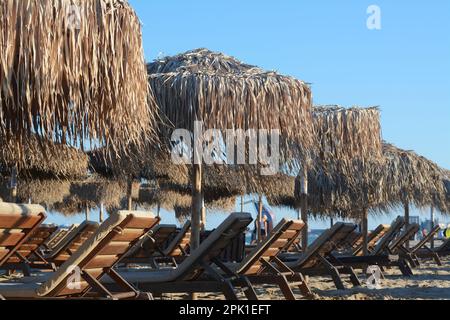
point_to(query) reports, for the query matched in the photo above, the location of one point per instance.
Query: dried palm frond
(72, 71)
(412, 179)
(227, 94)
(43, 160)
(346, 134)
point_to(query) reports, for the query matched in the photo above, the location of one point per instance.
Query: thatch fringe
(403, 177)
(227, 94)
(43, 160)
(411, 178)
(69, 78)
(348, 133)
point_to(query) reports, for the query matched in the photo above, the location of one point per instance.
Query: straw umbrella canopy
(349, 139)
(224, 93)
(44, 160)
(73, 72)
(180, 202)
(91, 193)
(411, 179)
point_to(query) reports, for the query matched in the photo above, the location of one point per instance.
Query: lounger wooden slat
(259, 268)
(186, 276)
(88, 263)
(423, 251)
(381, 255)
(18, 223)
(372, 240)
(316, 259)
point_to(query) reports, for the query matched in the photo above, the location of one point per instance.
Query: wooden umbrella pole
(242, 204)
(13, 184)
(203, 222)
(87, 213)
(102, 213)
(407, 222)
(130, 194)
(196, 206)
(432, 225)
(259, 219)
(304, 206)
(365, 231)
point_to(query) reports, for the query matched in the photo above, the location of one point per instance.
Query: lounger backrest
(59, 236)
(273, 245)
(180, 243)
(444, 247)
(426, 239)
(212, 247)
(394, 230)
(152, 242)
(373, 239)
(33, 243)
(405, 236)
(17, 224)
(101, 251)
(73, 242)
(55, 238)
(325, 244)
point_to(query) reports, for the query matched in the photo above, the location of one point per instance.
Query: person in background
(266, 223)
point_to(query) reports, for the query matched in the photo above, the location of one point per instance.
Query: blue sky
(404, 68)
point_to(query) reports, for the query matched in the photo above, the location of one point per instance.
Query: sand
(430, 282)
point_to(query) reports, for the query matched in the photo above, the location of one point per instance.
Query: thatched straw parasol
(180, 202)
(44, 160)
(411, 179)
(224, 93)
(91, 193)
(349, 140)
(72, 71)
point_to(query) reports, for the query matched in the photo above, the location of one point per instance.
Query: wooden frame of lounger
(374, 236)
(318, 258)
(381, 255)
(422, 251)
(398, 246)
(69, 245)
(196, 273)
(17, 224)
(30, 250)
(260, 265)
(412, 254)
(177, 247)
(57, 237)
(95, 258)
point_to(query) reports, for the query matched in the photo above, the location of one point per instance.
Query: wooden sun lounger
(398, 246)
(94, 259)
(373, 239)
(421, 250)
(158, 246)
(70, 244)
(318, 258)
(196, 272)
(17, 224)
(30, 250)
(57, 237)
(381, 255)
(260, 268)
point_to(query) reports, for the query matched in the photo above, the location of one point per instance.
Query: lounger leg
(249, 291)
(353, 277)
(2, 298)
(437, 259)
(228, 290)
(285, 287)
(405, 268)
(26, 269)
(333, 272)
